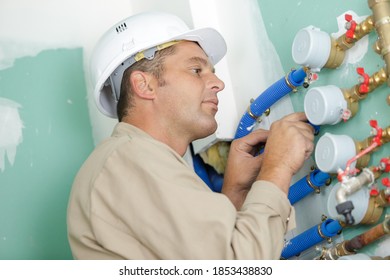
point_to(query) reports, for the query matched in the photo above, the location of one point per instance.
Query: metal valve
(365, 78)
(350, 25)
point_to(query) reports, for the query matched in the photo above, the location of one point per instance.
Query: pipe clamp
(253, 116)
(320, 232)
(310, 183)
(289, 83)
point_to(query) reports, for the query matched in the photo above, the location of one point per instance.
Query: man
(136, 197)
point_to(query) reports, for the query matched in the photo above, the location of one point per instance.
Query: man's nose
(216, 83)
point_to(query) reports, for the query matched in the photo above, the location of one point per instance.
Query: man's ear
(140, 82)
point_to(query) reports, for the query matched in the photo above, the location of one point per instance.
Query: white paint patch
(10, 130)
(358, 51)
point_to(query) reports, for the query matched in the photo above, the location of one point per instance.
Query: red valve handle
(363, 88)
(352, 26)
(378, 137)
(386, 182)
(386, 163)
(374, 192)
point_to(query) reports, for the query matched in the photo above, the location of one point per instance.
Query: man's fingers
(253, 139)
(299, 116)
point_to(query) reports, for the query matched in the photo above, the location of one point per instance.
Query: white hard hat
(116, 49)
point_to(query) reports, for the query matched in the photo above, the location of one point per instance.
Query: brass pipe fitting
(382, 199)
(343, 43)
(362, 29)
(334, 253)
(377, 79)
(336, 56)
(360, 146)
(376, 205)
(381, 18)
(353, 95)
(385, 135)
(368, 237)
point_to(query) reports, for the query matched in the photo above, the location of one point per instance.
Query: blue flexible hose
(310, 237)
(265, 100)
(200, 169)
(303, 187)
(208, 174)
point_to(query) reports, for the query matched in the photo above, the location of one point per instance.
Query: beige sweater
(136, 198)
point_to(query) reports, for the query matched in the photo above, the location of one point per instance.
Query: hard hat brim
(209, 39)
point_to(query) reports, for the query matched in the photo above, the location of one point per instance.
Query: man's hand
(289, 144)
(243, 166)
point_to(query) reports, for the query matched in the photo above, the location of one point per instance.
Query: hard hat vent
(120, 28)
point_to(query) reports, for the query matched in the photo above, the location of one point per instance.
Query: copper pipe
(368, 237)
(350, 247)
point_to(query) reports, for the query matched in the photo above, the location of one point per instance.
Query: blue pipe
(216, 180)
(200, 169)
(265, 100)
(310, 237)
(208, 174)
(306, 185)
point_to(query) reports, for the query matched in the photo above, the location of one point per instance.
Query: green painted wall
(57, 138)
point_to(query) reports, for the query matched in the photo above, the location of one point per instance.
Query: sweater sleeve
(266, 215)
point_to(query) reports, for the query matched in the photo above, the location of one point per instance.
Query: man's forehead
(192, 47)
(196, 51)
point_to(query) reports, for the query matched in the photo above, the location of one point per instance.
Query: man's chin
(207, 131)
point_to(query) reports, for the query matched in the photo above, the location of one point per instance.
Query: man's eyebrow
(202, 61)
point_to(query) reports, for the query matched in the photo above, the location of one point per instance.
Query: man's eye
(196, 70)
